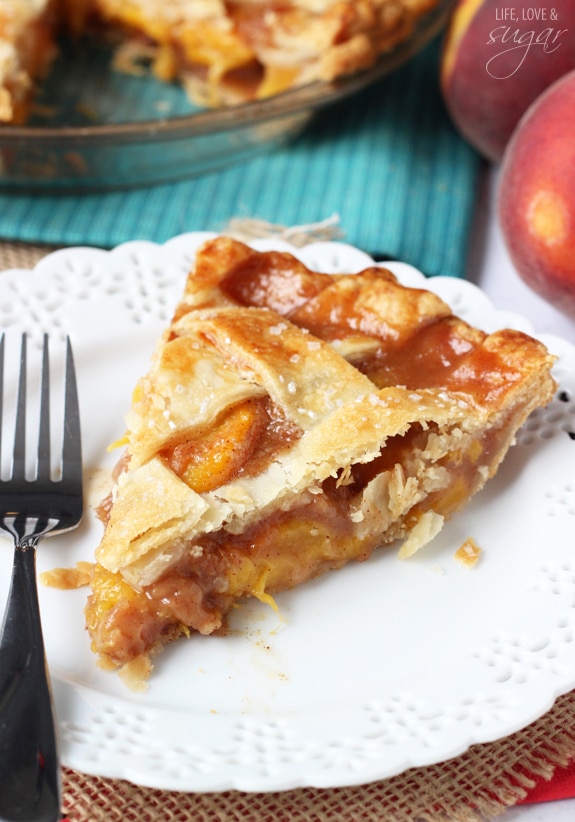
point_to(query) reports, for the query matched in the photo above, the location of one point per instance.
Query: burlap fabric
(21, 255)
(478, 785)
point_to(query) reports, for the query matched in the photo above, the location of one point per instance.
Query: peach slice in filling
(347, 518)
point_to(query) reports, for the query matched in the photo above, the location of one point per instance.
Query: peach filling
(205, 463)
(320, 532)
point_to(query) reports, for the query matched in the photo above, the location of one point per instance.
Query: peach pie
(223, 52)
(292, 421)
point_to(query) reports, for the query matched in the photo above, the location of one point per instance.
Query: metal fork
(29, 510)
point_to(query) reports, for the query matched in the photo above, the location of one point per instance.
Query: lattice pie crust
(292, 421)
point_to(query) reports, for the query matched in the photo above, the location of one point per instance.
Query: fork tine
(71, 448)
(19, 453)
(43, 466)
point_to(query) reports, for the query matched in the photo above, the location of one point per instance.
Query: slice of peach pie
(292, 421)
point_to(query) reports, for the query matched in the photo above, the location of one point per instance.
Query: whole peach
(497, 59)
(536, 195)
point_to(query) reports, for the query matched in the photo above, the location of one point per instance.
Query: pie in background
(223, 52)
(292, 421)
(27, 49)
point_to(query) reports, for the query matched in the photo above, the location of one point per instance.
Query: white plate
(367, 672)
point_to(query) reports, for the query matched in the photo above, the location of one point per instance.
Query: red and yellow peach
(497, 59)
(536, 196)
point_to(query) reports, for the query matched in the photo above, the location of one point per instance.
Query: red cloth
(561, 786)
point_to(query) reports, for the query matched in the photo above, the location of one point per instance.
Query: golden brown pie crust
(223, 52)
(292, 421)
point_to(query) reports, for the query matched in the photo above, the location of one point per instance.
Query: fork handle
(29, 765)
